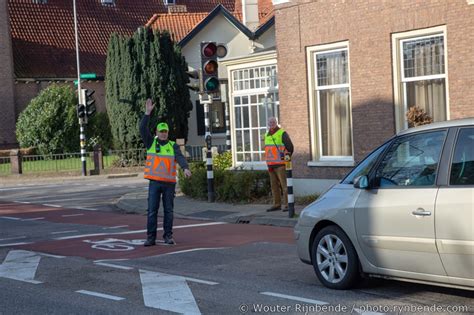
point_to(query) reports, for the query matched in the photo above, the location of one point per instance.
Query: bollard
(289, 184)
(98, 160)
(15, 161)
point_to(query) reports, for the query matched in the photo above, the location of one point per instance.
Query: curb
(122, 175)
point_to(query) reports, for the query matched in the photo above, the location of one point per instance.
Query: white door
(455, 212)
(395, 220)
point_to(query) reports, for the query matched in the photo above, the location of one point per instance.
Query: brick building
(349, 70)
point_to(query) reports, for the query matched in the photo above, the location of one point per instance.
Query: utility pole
(82, 136)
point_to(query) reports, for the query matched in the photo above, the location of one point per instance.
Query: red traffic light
(209, 50)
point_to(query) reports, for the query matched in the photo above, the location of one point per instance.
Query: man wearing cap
(160, 169)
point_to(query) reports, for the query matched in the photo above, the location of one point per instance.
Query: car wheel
(334, 258)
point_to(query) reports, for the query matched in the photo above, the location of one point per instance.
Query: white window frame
(400, 101)
(260, 165)
(317, 159)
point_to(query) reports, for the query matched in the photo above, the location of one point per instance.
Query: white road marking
(26, 202)
(10, 218)
(53, 256)
(50, 205)
(20, 265)
(192, 250)
(72, 215)
(167, 292)
(102, 295)
(200, 281)
(15, 244)
(83, 208)
(12, 238)
(33, 219)
(63, 232)
(114, 227)
(113, 266)
(137, 231)
(294, 298)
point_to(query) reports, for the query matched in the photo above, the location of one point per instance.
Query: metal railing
(194, 152)
(124, 158)
(5, 165)
(53, 162)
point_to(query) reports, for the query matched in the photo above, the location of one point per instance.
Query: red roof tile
(43, 34)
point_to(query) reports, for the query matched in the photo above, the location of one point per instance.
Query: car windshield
(364, 167)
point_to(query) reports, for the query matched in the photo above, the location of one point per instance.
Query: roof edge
(264, 27)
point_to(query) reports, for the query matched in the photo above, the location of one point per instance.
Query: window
(420, 74)
(462, 167)
(330, 102)
(169, 2)
(365, 166)
(411, 160)
(255, 99)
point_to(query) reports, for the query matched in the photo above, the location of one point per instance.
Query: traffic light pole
(211, 196)
(82, 136)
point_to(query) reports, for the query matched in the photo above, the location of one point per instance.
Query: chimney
(250, 14)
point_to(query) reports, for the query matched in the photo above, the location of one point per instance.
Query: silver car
(406, 212)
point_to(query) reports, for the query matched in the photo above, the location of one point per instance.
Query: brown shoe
(274, 208)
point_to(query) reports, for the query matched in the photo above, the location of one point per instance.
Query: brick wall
(7, 107)
(368, 26)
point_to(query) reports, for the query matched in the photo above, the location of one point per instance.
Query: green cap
(162, 126)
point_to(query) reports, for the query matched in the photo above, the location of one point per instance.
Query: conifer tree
(146, 65)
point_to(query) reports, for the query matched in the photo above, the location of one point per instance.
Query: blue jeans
(155, 191)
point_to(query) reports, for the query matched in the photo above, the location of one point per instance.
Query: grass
(306, 200)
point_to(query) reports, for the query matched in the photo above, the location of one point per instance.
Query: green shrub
(229, 186)
(49, 122)
(223, 161)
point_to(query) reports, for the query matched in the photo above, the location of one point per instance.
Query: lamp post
(82, 136)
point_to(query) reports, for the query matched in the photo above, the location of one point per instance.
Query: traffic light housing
(90, 102)
(86, 107)
(210, 51)
(195, 75)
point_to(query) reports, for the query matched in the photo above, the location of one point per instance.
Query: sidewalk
(185, 207)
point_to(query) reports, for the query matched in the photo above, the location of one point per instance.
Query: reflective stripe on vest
(274, 148)
(161, 165)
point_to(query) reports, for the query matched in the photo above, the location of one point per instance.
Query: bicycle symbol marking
(115, 244)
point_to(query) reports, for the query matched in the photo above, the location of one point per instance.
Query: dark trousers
(156, 191)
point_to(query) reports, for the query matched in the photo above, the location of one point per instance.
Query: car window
(411, 160)
(462, 167)
(364, 167)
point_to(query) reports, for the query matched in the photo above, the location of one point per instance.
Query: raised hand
(149, 106)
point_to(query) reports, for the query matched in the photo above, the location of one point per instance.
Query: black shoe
(285, 209)
(274, 208)
(149, 242)
(169, 241)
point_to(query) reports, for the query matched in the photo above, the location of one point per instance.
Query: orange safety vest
(161, 165)
(275, 148)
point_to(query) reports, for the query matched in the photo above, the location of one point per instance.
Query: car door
(454, 222)
(395, 218)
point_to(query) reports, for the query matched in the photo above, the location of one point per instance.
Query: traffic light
(195, 75)
(210, 51)
(88, 101)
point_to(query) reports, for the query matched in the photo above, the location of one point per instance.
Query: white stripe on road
(20, 265)
(102, 295)
(167, 292)
(53, 256)
(137, 231)
(15, 244)
(113, 266)
(294, 298)
(200, 281)
(33, 219)
(72, 215)
(12, 238)
(26, 202)
(10, 218)
(83, 208)
(50, 205)
(192, 250)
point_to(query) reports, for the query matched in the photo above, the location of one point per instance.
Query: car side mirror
(361, 182)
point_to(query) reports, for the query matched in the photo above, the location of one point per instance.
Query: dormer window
(40, 1)
(107, 2)
(169, 2)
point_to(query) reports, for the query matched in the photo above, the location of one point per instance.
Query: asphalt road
(65, 250)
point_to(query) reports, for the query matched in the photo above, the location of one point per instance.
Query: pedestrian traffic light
(81, 111)
(210, 51)
(89, 101)
(195, 75)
